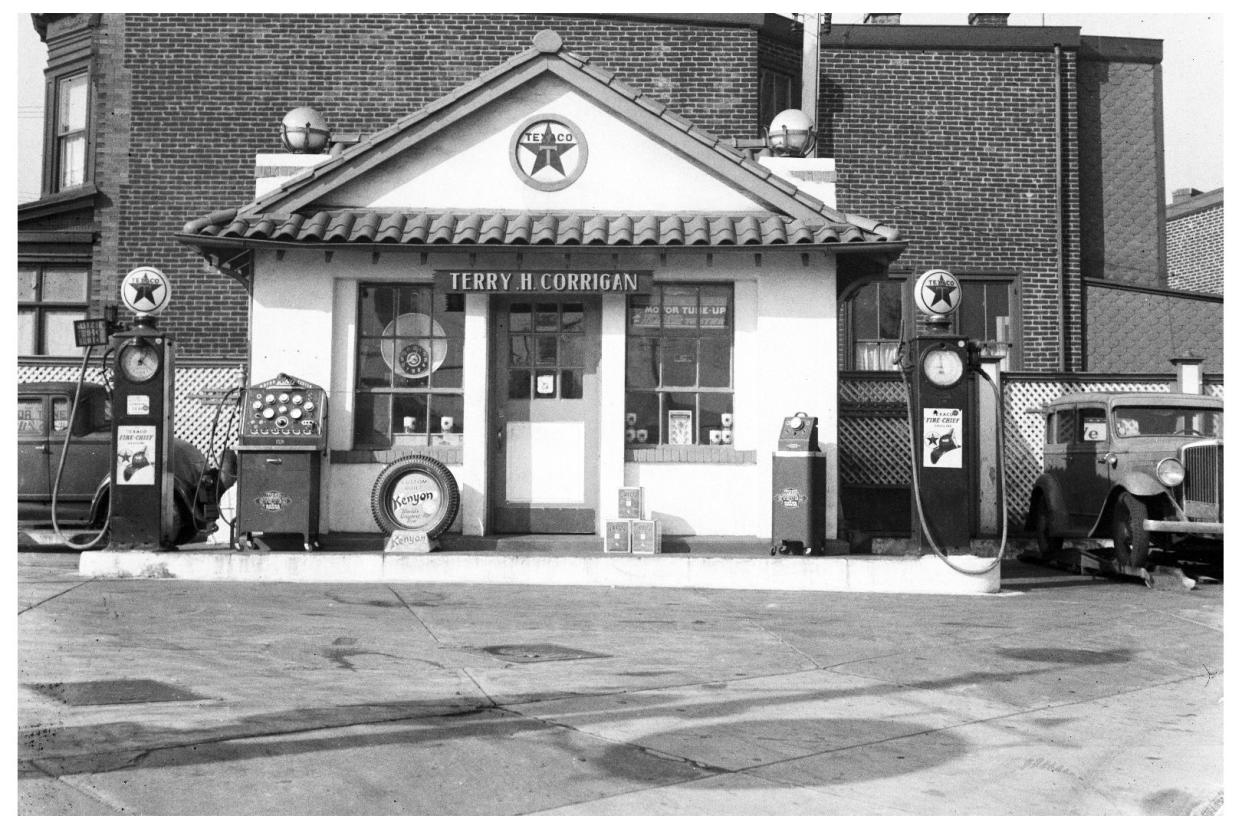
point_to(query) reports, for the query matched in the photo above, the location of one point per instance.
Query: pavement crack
(54, 596)
(417, 618)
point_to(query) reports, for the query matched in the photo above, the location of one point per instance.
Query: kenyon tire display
(417, 494)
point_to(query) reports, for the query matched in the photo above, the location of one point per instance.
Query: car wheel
(1047, 545)
(1131, 542)
(415, 493)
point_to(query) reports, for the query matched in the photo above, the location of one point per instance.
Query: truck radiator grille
(1202, 489)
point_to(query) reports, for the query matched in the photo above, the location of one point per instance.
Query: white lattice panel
(197, 393)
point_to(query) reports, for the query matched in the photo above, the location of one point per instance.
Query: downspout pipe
(1060, 202)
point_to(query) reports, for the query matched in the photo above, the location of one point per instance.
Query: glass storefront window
(408, 386)
(679, 366)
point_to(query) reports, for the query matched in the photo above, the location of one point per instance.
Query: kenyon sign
(545, 282)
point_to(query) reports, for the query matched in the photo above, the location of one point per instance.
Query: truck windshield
(1142, 421)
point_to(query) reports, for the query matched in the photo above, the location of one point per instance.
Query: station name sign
(545, 282)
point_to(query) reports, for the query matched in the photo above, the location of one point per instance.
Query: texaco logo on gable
(549, 152)
(145, 291)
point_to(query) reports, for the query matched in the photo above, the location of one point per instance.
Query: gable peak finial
(547, 41)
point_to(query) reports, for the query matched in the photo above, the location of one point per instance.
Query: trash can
(798, 488)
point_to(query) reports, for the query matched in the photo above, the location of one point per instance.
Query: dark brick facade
(950, 133)
(1195, 233)
(186, 101)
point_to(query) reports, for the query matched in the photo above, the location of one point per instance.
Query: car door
(1087, 473)
(34, 487)
(89, 453)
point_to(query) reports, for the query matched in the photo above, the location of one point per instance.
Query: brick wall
(957, 147)
(1196, 249)
(209, 91)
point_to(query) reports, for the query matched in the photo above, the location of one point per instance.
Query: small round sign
(145, 291)
(937, 293)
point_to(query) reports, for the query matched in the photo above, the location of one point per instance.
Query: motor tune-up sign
(942, 438)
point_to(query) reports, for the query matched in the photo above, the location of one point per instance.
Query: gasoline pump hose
(918, 497)
(60, 468)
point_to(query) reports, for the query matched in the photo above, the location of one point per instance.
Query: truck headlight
(1170, 472)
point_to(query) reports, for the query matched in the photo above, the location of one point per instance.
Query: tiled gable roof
(290, 213)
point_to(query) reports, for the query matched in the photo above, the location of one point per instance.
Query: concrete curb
(864, 574)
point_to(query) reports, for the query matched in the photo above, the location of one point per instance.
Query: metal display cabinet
(280, 448)
(799, 474)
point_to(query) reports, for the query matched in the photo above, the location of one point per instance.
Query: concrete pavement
(1063, 694)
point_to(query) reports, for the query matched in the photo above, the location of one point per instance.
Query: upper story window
(68, 111)
(776, 94)
(49, 299)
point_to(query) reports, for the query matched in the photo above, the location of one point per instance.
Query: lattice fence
(198, 391)
(874, 437)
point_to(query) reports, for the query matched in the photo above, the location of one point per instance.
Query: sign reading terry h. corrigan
(545, 282)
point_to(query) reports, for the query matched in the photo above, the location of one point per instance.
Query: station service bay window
(49, 299)
(409, 379)
(679, 366)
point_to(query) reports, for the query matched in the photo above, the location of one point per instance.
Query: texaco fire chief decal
(549, 152)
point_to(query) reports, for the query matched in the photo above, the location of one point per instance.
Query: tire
(1047, 545)
(1131, 543)
(430, 491)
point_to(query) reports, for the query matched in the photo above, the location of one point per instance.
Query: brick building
(1196, 241)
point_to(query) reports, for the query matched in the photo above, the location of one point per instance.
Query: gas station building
(557, 287)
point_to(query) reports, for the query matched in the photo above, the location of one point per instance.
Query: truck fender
(1046, 487)
(1160, 503)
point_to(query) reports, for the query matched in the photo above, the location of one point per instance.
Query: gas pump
(940, 368)
(141, 493)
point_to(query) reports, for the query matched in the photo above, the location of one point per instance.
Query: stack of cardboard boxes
(632, 532)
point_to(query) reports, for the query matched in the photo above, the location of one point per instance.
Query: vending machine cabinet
(280, 448)
(799, 473)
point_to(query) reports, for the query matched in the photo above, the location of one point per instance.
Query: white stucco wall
(784, 361)
(626, 170)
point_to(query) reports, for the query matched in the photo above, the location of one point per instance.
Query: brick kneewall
(957, 149)
(209, 92)
(1196, 251)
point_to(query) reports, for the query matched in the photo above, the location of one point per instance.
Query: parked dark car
(43, 411)
(1144, 469)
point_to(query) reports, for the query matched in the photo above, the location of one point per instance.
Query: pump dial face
(942, 366)
(139, 361)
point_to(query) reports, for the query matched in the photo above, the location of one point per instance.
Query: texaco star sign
(145, 291)
(548, 152)
(937, 293)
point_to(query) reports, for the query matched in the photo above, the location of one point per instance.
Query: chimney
(988, 19)
(882, 19)
(1185, 194)
(1189, 374)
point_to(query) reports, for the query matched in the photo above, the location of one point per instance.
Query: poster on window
(135, 455)
(942, 438)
